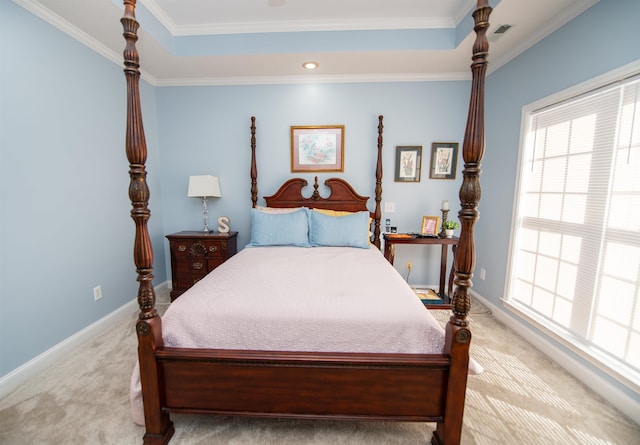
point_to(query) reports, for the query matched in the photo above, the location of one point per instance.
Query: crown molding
(279, 80)
(295, 26)
(53, 19)
(77, 34)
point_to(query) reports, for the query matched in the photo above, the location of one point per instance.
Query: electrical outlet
(483, 273)
(409, 265)
(97, 293)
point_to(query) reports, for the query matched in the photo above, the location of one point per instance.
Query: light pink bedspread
(326, 299)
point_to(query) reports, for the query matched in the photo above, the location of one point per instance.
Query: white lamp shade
(203, 186)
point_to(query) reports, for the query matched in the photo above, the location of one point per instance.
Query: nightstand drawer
(180, 249)
(199, 248)
(188, 267)
(214, 248)
(199, 266)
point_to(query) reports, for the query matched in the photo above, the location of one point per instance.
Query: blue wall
(205, 130)
(65, 226)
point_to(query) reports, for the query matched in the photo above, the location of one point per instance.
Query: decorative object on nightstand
(449, 227)
(223, 224)
(445, 212)
(204, 186)
(430, 226)
(195, 254)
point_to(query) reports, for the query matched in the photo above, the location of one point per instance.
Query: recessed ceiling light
(310, 65)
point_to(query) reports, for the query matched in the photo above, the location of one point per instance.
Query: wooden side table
(391, 241)
(195, 254)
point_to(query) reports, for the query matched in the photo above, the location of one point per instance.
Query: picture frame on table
(430, 225)
(408, 163)
(318, 148)
(444, 160)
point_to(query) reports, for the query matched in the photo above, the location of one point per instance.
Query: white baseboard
(33, 367)
(612, 394)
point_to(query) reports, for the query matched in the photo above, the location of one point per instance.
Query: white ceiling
(232, 42)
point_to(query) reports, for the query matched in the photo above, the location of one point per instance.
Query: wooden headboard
(342, 196)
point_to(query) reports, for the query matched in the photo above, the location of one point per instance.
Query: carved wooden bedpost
(472, 152)
(254, 168)
(457, 333)
(159, 427)
(378, 212)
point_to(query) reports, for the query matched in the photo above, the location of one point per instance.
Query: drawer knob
(182, 247)
(213, 248)
(197, 266)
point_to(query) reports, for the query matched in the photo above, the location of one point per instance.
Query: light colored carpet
(521, 398)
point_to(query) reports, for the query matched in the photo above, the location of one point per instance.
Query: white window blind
(575, 253)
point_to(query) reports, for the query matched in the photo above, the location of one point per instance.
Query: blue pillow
(339, 231)
(279, 229)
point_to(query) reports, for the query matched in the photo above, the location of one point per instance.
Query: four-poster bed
(334, 384)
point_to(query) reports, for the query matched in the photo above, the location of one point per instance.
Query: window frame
(624, 374)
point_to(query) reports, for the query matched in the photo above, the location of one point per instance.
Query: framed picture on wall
(444, 160)
(408, 163)
(317, 148)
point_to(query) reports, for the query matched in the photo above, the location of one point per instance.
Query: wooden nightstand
(195, 254)
(391, 240)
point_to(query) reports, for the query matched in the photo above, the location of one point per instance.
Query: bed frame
(349, 386)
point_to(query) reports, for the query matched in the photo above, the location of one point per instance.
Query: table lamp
(204, 186)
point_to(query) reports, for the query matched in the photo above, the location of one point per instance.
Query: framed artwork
(408, 163)
(444, 160)
(317, 148)
(430, 225)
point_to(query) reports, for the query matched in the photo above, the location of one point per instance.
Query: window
(575, 252)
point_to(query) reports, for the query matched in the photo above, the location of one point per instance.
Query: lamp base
(205, 216)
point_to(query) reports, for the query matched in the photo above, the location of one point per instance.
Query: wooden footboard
(345, 386)
(308, 385)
